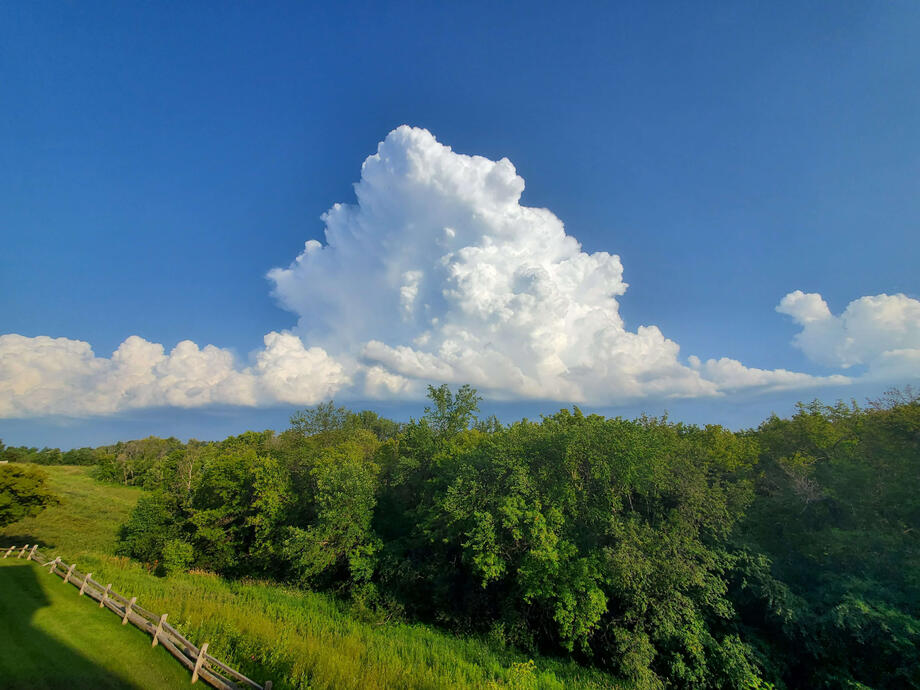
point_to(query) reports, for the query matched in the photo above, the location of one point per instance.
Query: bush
(149, 529)
(177, 556)
(23, 493)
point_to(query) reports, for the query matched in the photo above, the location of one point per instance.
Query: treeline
(47, 456)
(670, 554)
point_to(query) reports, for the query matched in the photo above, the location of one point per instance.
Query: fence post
(32, 552)
(69, 571)
(54, 564)
(268, 685)
(105, 595)
(124, 620)
(158, 631)
(23, 551)
(9, 551)
(199, 662)
(85, 580)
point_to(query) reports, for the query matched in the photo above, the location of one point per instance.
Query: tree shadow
(31, 658)
(29, 539)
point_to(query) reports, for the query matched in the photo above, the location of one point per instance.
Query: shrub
(177, 556)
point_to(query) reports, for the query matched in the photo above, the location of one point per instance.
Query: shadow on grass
(18, 540)
(31, 658)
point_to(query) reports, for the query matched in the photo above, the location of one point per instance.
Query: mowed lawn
(50, 637)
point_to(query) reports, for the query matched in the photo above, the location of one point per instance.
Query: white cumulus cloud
(881, 332)
(60, 376)
(439, 274)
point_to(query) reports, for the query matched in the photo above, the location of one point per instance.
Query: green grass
(53, 638)
(304, 639)
(86, 521)
(298, 639)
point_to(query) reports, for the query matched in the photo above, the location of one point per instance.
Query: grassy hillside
(86, 521)
(298, 639)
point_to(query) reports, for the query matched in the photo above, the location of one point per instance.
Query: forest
(668, 554)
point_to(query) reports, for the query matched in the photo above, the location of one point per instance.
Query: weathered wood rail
(197, 660)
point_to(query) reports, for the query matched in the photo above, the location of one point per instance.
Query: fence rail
(201, 664)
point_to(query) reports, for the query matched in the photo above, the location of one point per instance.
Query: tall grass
(299, 639)
(304, 639)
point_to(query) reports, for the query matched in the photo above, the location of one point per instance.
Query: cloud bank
(59, 376)
(439, 274)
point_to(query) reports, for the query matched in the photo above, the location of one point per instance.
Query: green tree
(836, 596)
(340, 542)
(24, 493)
(320, 419)
(153, 523)
(79, 456)
(135, 463)
(177, 556)
(451, 413)
(273, 501)
(325, 418)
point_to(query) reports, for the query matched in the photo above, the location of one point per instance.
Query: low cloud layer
(59, 376)
(439, 274)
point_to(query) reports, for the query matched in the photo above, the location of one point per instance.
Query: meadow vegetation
(85, 518)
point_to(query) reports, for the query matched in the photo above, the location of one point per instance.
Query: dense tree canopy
(38, 456)
(835, 598)
(670, 554)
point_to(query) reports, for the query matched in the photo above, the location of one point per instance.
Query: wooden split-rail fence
(197, 660)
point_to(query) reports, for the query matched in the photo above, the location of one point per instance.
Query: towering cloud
(461, 283)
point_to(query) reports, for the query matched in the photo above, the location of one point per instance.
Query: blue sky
(158, 160)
